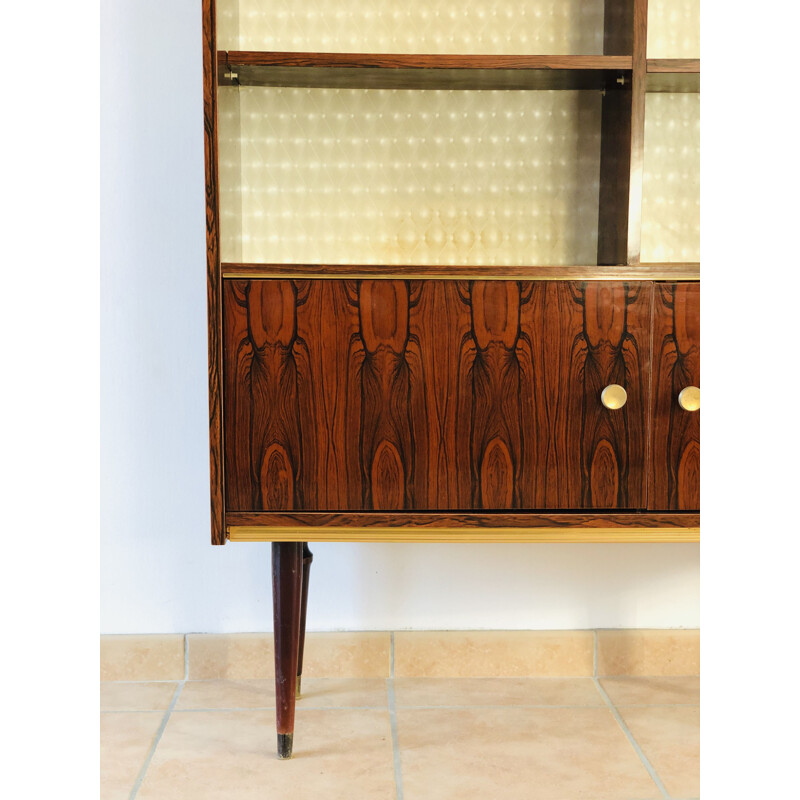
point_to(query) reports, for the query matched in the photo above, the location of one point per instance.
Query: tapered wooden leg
(308, 557)
(287, 585)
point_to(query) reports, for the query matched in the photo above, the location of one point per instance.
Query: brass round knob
(689, 398)
(613, 396)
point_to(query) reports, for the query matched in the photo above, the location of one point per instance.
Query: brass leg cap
(285, 745)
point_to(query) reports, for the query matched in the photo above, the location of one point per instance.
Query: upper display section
(671, 178)
(519, 27)
(673, 29)
(360, 176)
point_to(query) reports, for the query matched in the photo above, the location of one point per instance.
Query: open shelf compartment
(671, 178)
(673, 29)
(415, 26)
(431, 177)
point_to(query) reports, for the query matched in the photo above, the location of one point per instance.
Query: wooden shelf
(390, 71)
(651, 272)
(688, 65)
(673, 74)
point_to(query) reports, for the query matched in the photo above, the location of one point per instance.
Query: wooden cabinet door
(434, 394)
(675, 448)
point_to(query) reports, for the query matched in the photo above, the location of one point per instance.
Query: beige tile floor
(410, 738)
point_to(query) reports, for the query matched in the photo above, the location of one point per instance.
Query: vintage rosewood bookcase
(453, 278)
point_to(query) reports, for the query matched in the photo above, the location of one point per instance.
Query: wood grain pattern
(672, 271)
(502, 404)
(440, 350)
(213, 273)
(530, 519)
(425, 61)
(675, 455)
(434, 395)
(583, 337)
(386, 439)
(329, 354)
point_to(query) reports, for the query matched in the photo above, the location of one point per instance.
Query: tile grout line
(626, 730)
(156, 741)
(618, 676)
(450, 707)
(161, 728)
(398, 772)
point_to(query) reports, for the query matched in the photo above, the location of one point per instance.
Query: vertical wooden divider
(622, 137)
(213, 273)
(638, 89)
(615, 141)
(615, 165)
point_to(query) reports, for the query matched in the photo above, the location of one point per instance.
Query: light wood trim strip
(261, 533)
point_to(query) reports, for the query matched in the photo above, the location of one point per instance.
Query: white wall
(159, 572)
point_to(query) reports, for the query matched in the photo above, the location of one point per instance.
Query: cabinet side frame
(213, 274)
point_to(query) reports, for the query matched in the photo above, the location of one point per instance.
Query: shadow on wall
(526, 586)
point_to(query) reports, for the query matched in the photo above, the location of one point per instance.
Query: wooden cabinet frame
(626, 74)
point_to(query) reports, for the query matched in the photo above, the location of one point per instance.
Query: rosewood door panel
(292, 358)
(675, 449)
(393, 395)
(583, 337)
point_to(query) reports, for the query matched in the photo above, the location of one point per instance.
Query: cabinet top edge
(653, 272)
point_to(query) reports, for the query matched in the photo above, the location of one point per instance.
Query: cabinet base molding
(519, 526)
(260, 533)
